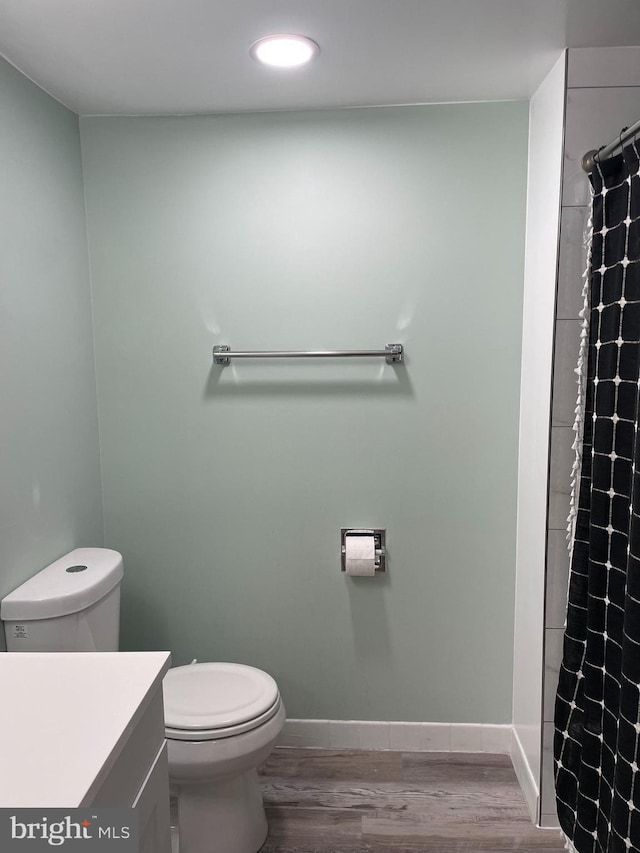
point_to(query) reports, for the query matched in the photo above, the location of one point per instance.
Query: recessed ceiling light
(284, 51)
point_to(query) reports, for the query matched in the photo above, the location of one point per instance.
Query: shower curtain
(597, 715)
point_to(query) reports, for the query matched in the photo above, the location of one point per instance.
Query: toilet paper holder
(379, 535)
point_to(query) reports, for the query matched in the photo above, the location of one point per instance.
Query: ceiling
(191, 56)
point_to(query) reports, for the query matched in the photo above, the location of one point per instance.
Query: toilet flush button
(76, 569)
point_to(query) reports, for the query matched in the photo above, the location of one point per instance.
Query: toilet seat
(172, 733)
(207, 701)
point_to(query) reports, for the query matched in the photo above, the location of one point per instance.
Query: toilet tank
(71, 606)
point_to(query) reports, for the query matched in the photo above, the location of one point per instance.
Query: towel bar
(392, 354)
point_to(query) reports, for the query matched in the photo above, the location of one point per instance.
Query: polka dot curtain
(597, 718)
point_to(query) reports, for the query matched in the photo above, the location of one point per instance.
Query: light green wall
(50, 495)
(226, 489)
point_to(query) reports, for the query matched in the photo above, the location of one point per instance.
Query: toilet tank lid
(72, 583)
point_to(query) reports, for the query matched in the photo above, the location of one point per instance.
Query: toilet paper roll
(360, 555)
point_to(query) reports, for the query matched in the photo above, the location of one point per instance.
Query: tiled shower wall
(603, 96)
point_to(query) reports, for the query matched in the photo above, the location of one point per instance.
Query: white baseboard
(412, 737)
(524, 775)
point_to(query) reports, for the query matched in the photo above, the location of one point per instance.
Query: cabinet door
(152, 803)
(131, 768)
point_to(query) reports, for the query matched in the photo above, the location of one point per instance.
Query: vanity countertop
(65, 718)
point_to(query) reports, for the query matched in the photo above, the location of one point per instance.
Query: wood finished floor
(339, 801)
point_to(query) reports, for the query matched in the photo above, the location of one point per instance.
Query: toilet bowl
(221, 721)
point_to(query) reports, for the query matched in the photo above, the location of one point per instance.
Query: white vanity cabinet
(87, 729)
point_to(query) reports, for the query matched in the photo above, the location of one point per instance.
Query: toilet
(221, 719)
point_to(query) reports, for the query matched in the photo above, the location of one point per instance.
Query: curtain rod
(592, 157)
